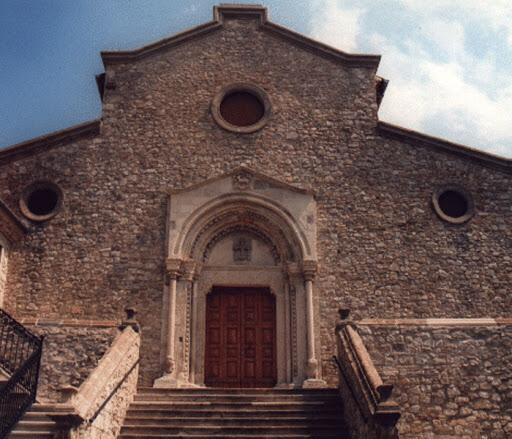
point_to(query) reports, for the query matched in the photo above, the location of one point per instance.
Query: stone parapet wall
(103, 399)
(368, 406)
(451, 379)
(70, 353)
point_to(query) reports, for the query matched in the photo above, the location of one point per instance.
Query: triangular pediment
(243, 179)
(257, 12)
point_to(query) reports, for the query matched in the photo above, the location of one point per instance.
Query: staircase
(234, 414)
(35, 424)
(20, 357)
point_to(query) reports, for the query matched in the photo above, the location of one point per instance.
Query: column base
(314, 383)
(166, 381)
(284, 386)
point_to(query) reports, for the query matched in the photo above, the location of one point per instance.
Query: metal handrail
(20, 356)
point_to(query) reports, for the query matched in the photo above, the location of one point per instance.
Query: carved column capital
(197, 270)
(309, 269)
(292, 269)
(173, 267)
(188, 270)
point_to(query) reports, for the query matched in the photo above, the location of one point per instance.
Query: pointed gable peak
(243, 11)
(234, 10)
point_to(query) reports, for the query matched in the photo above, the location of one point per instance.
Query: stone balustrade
(369, 409)
(98, 407)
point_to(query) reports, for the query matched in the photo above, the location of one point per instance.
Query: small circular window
(453, 204)
(41, 201)
(241, 108)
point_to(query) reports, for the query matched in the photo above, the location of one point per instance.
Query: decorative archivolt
(250, 212)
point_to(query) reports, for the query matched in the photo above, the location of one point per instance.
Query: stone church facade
(239, 172)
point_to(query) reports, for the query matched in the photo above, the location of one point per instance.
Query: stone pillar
(169, 377)
(309, 271)
(288, 332)
(294, 277)
(193, 326)
(188, 269)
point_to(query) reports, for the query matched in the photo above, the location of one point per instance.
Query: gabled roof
(416, 138)
(220, 13)
(48, 141)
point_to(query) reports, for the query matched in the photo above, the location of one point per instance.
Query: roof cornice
(48, 141)
(220, 13)
(416, 138)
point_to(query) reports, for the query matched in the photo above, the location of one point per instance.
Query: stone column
(169, 378)
(309, 269)
(288, 332)
(188, 269)
(193, 326)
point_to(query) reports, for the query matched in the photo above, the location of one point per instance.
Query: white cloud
(426, 92)
(448, 36)
(495, 13)
(336, 25)
(438, 83)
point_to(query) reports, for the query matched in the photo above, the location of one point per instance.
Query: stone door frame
(285, 218)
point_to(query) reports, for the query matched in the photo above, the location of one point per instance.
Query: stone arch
(251, 211)
(283, 220)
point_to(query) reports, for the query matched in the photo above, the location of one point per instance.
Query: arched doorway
(241, 231)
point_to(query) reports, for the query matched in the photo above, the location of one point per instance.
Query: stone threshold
(30, 321)
(461, 322)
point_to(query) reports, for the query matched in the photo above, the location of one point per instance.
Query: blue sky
(448, 61)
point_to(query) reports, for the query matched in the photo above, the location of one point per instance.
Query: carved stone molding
(243, 219)
(173, 267)
(188, 269)
(242, 180)
(293, 329)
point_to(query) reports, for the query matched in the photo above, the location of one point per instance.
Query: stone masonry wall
(69, 356)
(449, 381)
(104, 398)
(382, 250)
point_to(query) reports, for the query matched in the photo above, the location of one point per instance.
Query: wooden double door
(240, 338)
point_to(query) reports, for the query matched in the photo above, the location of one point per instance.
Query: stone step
(238, 436)
(235, 413)
(263, 413)
(233, 421)
(232, 397)
(239, 391)
(234, 406)
(200, 429)
(31, 434)
(35, 424)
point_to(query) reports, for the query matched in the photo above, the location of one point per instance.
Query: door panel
(240, 338)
